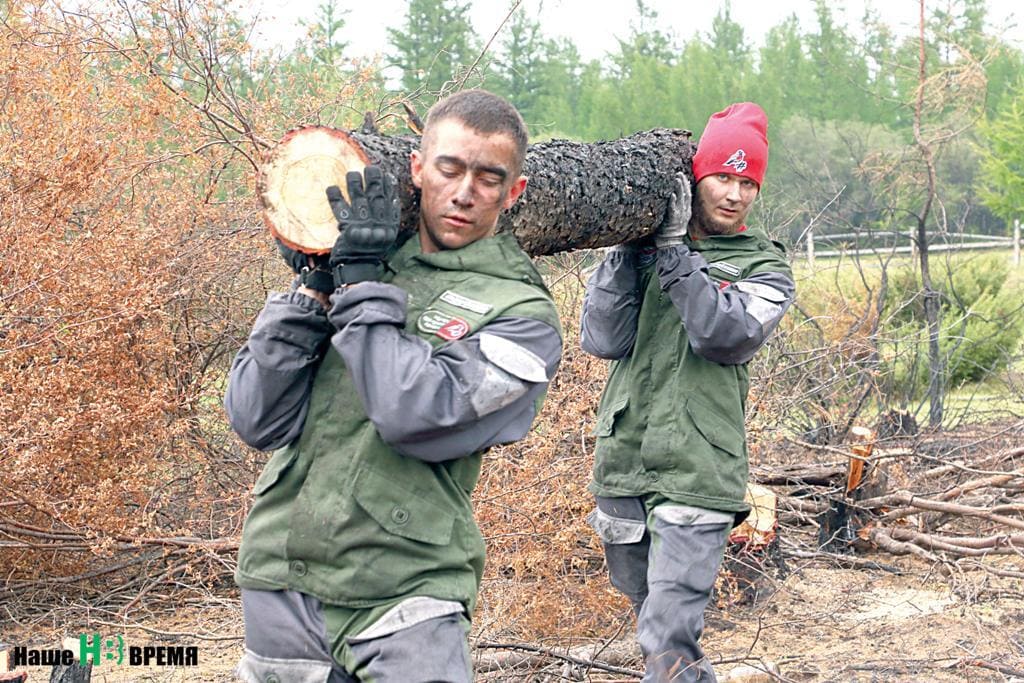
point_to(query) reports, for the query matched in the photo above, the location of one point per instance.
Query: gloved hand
(368, 225)
(314, 270)
(673, 229)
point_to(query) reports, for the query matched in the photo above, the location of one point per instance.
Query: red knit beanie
(735, 141)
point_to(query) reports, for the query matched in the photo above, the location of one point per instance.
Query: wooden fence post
(1016, 242)
(810, 248)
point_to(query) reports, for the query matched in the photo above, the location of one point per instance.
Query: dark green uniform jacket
(681, 323)
(383, 406)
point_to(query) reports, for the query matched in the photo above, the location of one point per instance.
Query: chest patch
(725, 267)
(464, 302)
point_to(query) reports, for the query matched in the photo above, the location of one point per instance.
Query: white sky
(593, 25)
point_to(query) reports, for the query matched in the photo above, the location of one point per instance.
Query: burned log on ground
(580, 195)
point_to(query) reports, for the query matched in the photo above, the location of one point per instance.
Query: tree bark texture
(580, 195)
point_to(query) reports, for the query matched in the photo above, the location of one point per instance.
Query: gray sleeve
(611, 305)
(728, 324)
(271, 377)
(448, 402)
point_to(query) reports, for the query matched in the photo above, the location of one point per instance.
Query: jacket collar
(751, 238)
(498, 256)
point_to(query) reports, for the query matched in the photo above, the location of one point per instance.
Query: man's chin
(716, 227)
(448, 241)
(454, 240)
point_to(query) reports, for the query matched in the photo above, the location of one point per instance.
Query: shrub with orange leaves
(133, 262)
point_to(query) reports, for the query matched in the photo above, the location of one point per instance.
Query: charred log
(580, 195)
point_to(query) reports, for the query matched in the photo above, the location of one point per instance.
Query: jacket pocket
(279, 462)
(403, 513)
(715, 429)
(606, 421)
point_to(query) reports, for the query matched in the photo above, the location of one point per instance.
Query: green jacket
(371, 502)
(680, 324)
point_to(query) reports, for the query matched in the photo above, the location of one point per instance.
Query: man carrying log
(380, 378)
(681, 315)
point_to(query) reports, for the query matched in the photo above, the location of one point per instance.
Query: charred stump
(71, 673)
(753, 559)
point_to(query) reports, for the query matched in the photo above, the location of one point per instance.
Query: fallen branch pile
(956, 501)
(117, 570)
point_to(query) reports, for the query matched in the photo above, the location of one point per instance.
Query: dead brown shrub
(133, 262)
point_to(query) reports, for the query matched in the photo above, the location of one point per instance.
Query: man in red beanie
(681, 315)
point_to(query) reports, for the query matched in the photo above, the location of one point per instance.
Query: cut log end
(293, 181)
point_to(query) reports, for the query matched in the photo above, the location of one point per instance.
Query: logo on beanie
(738, 160)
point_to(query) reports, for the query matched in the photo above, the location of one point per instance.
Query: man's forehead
(728, 176)
(453, 138)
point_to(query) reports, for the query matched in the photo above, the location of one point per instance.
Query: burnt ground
(866, 616)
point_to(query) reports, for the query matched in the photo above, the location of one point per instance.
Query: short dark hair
(483, 112)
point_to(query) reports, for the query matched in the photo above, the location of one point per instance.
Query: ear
(514, 192)
(416, 168)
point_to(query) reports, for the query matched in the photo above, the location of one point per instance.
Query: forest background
(134, 260)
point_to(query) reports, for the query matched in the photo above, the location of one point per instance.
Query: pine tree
(434, 46)
(1001, 181)
(518, 68)
(325, 47)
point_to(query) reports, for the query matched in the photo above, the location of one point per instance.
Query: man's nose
(464, 193)
(733, 194)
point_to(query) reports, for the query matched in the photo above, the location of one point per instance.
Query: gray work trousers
(286, 641)
(667, 569)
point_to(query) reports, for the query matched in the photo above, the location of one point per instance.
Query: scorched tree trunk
(580, 195)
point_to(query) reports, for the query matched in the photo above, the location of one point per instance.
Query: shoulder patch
(431, 320)
(761, 290)
(455, 328)
(513, 358)
(444, 325)
(763, 311)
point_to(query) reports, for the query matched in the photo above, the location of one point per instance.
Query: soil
(826, 624)
(818, 624)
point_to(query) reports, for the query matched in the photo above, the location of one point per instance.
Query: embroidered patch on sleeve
(513, 358)
(455, 328)
(761, 290)
(763, 311)
(431, 320)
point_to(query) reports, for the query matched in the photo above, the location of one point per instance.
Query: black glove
(369, 225)
(314, 270)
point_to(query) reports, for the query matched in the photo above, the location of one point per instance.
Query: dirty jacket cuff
(676, 262)
(368, 303)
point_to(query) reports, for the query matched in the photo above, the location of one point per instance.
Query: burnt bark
(580, 195)
(72, 673)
